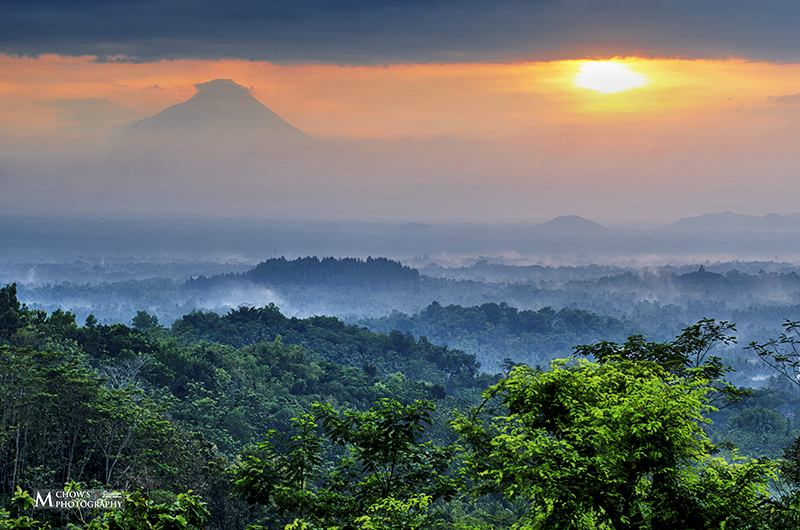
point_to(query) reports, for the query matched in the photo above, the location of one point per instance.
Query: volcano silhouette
(223, 109)
(221, 130)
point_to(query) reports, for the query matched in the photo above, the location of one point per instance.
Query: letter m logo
(47, 502)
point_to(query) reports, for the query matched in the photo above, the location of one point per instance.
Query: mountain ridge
(728, 221)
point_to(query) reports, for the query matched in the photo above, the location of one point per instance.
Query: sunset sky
(463, 110)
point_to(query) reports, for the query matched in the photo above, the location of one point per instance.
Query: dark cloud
(380, 31)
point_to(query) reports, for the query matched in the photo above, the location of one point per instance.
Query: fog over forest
(724, 266)
(184, 211)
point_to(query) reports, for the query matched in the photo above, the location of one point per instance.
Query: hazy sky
(619, 111)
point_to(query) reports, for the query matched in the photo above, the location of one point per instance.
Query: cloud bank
(395, 31)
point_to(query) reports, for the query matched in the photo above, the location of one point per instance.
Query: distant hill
(571, 224)
(729, 221)
(311, 271)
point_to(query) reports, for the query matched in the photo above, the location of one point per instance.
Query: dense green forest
(253, 419)
(497, 331)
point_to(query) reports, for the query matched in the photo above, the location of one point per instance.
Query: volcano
(220, 109)
(221, 130)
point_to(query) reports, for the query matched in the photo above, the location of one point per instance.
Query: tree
(617, 445)
(381, 475)
(686, 357)
(783, 355)
(11, 312)
(21, 501)
(144, 321)
(141, 513)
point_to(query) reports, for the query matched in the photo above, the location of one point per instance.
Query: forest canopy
(253, 419)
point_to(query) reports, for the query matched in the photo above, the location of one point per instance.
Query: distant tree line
(312, 271)
(496, 332)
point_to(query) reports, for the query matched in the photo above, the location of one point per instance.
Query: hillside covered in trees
(281, 422)
(377, 272)
(497, 332)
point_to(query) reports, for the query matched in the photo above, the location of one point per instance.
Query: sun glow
(608, 77)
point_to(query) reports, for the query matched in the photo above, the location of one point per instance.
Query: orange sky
(698, 124)
(517, 102)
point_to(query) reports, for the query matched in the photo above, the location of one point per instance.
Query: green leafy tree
(144, 321)
(686, 357)
(141, 513)
(18, 519)
(783, 355)
(380, 474)
(759, 431)
(11, 312)
(616, 445)
(393, 514)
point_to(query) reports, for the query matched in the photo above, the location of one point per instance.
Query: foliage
(392, 514)
(495, 332)
(757, 430)
(381, 468)
(166, 410)
(18, 519)
(686, 357)
(61, 423)
(140, 513)
(10, 311)
(583, 441)
(783, 353)
(144, 321)
(332, 339)
(617, 444)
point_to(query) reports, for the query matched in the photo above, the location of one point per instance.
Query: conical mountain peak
(220, 107)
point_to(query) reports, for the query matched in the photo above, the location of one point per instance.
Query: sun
(608, 77)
